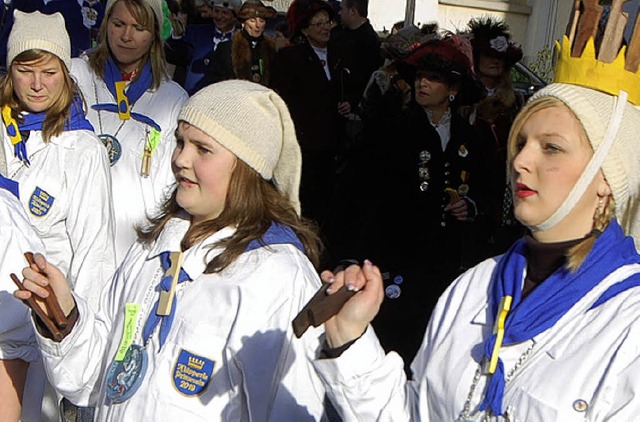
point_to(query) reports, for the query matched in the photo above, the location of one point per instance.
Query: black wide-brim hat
(451, 56)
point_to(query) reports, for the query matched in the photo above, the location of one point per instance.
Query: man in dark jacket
(358, 40)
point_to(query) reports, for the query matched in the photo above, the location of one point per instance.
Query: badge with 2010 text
(192, 373)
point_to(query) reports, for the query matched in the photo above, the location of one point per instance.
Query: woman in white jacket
(53, 153)
(211, 339)
(549, 331)
(133, 105)
(21, 372)
(62, 169)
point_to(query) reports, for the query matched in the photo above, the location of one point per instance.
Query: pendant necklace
(111, 142)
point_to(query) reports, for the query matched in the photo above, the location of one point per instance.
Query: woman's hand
(359, 311)
(40, 274)
(459, 209)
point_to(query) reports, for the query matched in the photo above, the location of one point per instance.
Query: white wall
(384, 13)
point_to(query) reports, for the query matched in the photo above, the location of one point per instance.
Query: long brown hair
(59, 111)
(578, 253)
(252, 205)
(143, 14)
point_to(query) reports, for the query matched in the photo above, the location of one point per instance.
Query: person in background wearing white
(53, 153)
(60, 164)
(21, 372)
(133, 105)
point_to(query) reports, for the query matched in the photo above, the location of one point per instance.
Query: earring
(452, 98)
(599, 209)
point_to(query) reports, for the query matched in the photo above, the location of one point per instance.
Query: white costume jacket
(134, 196)
(66, 193)
(17, 339)
(586, 367)
(240, 320)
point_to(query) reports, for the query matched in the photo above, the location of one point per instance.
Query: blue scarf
(34, 121)
(166, 321)
(10, 185)
(553, 298)
(275, 234)
(135, 90)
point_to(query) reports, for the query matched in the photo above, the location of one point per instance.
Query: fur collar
(504, 100)
(241, 59)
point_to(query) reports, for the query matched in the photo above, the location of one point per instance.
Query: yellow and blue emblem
(192, 373)
(40, 202)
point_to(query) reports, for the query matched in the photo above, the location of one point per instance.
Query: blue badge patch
(192, 373)
(40, 202)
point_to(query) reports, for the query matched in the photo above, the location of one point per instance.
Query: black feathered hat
(491, 37)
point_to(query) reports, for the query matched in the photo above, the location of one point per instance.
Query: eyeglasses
(322, 23)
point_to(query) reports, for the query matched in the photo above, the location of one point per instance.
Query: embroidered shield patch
(40, 202)
(192, 373)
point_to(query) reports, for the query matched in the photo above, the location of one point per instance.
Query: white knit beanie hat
(254, 123)
(621, 164)
(156, 6)
(39, 31)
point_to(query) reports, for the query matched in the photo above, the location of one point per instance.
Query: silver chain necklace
(464, 414)
(115, 135)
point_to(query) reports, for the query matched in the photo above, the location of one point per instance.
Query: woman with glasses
(313, 79)
(422, 177)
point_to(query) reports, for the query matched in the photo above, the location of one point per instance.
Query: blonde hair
(602, 217)
(59, 111)
(144, 15)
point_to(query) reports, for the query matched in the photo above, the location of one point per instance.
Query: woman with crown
(550, 330)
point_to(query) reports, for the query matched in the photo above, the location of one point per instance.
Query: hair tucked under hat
(254, 123)
(621, 165)
(29, 33)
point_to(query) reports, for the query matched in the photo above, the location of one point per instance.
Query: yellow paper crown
(589, 72)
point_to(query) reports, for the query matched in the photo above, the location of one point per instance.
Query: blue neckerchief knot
(34, 121)
(165, 321)
(553, 298)
(134, 91)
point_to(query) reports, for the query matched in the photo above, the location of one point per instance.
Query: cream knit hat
(39, 31)
(156, 6)
(621, 164)
(254, 123)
